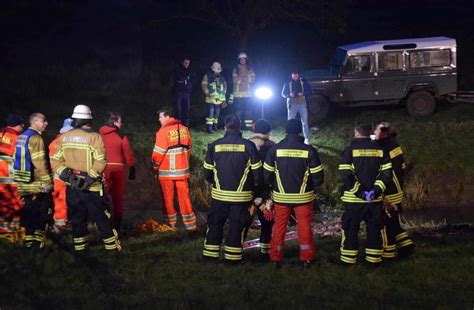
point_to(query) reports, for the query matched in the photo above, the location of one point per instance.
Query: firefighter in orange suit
(170, 159)
(10, 202)
(59, 187)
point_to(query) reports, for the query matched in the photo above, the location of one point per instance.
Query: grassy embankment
(165, 270)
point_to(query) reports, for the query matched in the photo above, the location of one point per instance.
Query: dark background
(102, 49)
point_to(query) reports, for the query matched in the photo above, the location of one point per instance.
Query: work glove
(131, 173)
(224, 105)
(87, 182)
(369, 196)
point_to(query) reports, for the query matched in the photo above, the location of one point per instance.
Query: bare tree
(242, 18)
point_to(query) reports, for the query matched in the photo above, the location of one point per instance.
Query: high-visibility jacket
(214, 87)
(31, 166)
(117, 147)
(10, 201)
(365, 166)
(81, 150)
(293, 169)
(8, 138)
(234, 168)
(172, 150)
(394, 192)
(243, 77)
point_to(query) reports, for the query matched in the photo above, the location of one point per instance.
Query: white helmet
(242, 55)
(82, 112)
(216, 67)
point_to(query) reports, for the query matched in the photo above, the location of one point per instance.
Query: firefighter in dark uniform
(365, 170)
(261, 138)
(293, 169)
(395, 239)
(234, 169)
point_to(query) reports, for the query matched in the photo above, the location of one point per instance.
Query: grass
(164, 270)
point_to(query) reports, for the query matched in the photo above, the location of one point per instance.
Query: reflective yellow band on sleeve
(316, 169)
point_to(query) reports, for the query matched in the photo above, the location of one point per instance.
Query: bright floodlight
(263, 93)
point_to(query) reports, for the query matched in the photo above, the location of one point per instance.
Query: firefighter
(170, 159)
(233, 167)
(293, 170)
(33, 176)
(365, 170)
(80, 161)
(119, 156)
(243, 77)
(182, 88)
(261, 138)
(214, 87)
(296, 92)
(10, 202)
(395, 239)
(59, 187)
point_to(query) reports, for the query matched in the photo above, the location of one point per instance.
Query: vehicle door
(391, 75)
(357, 78)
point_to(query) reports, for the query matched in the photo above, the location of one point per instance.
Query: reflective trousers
(84, 205)
(35, 217)
(115, 178)
(213, 112)
(353, 214)
(304, 215)
(184, 202)
(393, 235)
(238, 218)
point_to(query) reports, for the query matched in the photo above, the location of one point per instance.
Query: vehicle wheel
(420, 103)
(318, 108)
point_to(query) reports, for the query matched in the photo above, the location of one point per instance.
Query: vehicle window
(423, 59)
(356, 64)
(390, 61)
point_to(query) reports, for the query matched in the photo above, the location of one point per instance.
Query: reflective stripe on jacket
(214, 87)
(243, 77)
(365, 166)
(293, 169)
(172, 150)
(82, 150)
(31, 163)
(233, 166)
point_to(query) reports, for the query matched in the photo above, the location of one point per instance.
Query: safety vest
(8, 138)
(215, 87)
(172, 149)
(23, 166)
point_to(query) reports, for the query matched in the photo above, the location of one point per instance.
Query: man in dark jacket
(366, 171)
(234, 169)
(296, 92)
(182, 88)
(293, 170)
